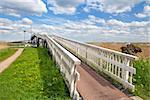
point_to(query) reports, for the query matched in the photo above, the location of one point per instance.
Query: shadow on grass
(53, 84)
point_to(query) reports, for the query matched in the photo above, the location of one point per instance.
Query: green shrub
(142, 78)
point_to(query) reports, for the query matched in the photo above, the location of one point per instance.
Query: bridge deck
(94, 87)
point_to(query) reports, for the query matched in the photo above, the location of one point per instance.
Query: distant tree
(130, 49)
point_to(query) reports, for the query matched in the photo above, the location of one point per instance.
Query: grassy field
(142, 78)
(117, 45)
(33, 76)
(7, 52)
(3, 45)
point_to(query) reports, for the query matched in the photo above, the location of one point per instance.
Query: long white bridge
(80, 64)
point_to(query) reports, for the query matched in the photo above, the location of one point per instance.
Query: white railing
(116, 65)
(67, 63)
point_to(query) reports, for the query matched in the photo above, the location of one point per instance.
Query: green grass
(33, 76)
(142, 78)
(5, 53)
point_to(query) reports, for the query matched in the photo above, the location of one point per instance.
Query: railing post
(61, 69)
(126, 73)
(72, 88)
(86, 55)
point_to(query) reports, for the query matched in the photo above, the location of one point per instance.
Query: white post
(126, 73)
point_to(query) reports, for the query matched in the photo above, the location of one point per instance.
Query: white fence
(116, 65)
(67, 63)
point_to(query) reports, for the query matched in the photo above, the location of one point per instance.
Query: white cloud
(27, 21)
(9, 25)
(140, 15)
(87, 29)
(4, 21)
(17, 8)
(13, 30)
(145, 13)
(64, 6)
(139, 24)
(115, 22)
(10, 12)
(95, 19)
(111, 6)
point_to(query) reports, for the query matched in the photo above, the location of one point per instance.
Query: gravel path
(5, 64)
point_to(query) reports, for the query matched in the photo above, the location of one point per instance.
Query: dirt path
(5, 64)
(94, 87)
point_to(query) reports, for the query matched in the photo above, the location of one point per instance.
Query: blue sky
(83, 20)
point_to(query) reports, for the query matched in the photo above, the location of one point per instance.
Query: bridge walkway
(92, 86)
